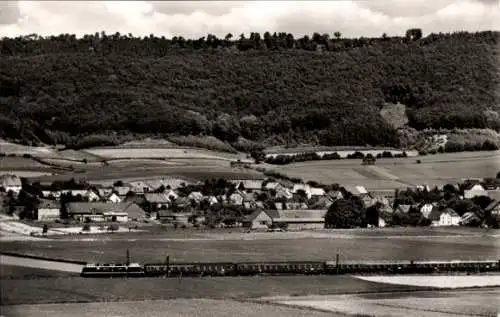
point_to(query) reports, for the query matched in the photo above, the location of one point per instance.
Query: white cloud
(197, 18)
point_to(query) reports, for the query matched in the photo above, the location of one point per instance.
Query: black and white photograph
(332, 158)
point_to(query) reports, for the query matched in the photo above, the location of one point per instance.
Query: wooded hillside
(272, 90)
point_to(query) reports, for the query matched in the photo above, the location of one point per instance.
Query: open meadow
(398, 172)
(205, 247)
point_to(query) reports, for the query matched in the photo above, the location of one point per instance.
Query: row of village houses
(115, 203)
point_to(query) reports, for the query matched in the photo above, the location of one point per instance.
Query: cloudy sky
(197, 18)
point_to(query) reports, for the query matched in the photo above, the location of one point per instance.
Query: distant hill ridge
(249, 93)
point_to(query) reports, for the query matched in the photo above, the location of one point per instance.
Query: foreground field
(423, 304)
(77, 289)
(175, 308)
(400, 172)
(360, 245)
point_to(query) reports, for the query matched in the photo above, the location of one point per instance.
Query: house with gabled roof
(160, 200)
(113, 198)
(335, 194)
(236, 198)
(300, 219)
(475, 191)
(98, 212)
(11, 182)
(87, 194)
(403, 208)
(356, 190)
(323, 202)
(196, 196)
(308, 190)
(122, 191)
(139, 187)
(283, 192)
(259, 219)
(445, 217)
(51, 194)
(426, 209)
(273, 186)
(48, 210)
(468, 218)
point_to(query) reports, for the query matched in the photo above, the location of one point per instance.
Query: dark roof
(492, 205)
(131, 209)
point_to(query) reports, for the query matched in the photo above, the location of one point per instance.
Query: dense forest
(251, 91)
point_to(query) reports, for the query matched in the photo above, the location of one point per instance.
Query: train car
(112, 270)
(282, 268)
(189, 269)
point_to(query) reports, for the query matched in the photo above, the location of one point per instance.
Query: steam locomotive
(285, 268)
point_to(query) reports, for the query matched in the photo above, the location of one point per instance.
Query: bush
(113, 227)
(489, 146)
(86, 228)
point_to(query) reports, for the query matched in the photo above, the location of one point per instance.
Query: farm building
(300, 219)
(97, 212)
(387, 193)
(469, 218)
(178, 218)
(335, 194)
(444, 218)
(308, 190)
(104, 192)
(494, 193)
(48, 210)
(356, 190)
(122, 191)
(254, 185)
(160, 200)
(84, 193)
(48, 194)
(475, 191)
(139, 187)
(259, 219)
(11, 182)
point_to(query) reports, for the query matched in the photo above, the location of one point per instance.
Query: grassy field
(384, 245)
(76, 289)
(160, 152)
(401, 172)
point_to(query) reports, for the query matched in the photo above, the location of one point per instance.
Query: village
(270, 205)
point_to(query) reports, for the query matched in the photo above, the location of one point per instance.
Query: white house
(196, 196)
(48, 210)
(308, 190)
(114, 198)
(11, 182)
(236, 199)
(426, 209)
(446, 217)
(476, 190)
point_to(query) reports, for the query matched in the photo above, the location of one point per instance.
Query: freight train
(285, 268)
